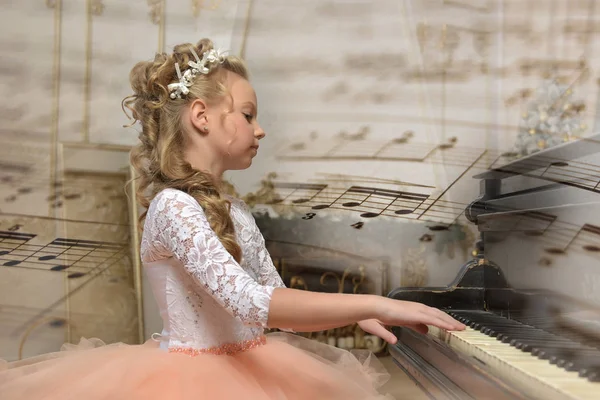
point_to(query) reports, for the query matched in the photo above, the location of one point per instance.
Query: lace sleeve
(182, 228)
(267, 273)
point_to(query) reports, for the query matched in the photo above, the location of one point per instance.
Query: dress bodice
(206, 299)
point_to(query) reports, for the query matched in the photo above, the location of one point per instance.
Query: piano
(530, 297)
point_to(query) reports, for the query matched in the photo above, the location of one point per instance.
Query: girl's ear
(198, 115)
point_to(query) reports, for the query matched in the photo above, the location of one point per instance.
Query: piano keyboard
(538, 362)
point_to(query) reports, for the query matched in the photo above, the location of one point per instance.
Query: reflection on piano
(531, 296)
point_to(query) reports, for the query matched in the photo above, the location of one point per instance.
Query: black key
(561, 351)
(593, 374)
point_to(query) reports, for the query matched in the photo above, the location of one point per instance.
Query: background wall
(406, 96)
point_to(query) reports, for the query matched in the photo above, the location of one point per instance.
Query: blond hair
(159, 157)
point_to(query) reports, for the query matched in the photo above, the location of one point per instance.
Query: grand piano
(530, 297)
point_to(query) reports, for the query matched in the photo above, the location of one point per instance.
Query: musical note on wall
(371, 200)
(298, 193)
(32, 250)
(12, 317)
(532, 223)
(78, 256)
(558, 237)
(368, 201)
(362, 134)
(588, 233)
(552, 169)
(13, 179)
(11, 240)
(400, 203)
(63, 277)
(398, 149)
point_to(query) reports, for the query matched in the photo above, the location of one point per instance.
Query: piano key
(581, 364)
(531, 374)
(557, 350)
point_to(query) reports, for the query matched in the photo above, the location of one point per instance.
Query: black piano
(530, 297)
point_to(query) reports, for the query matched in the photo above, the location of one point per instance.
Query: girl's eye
(249, 117)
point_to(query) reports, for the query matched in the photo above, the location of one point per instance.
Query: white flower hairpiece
(200, 66)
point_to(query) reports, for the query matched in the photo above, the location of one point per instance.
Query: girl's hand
(375, 327)
(410, 314)
(414, 315)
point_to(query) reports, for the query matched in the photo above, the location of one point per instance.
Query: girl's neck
(217, 181)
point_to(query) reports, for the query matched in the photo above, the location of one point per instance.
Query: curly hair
(158, 159)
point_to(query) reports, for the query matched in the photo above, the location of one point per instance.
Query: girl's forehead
(243, 93)
(239, 86)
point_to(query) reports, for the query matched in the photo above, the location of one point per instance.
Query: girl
(211, 274)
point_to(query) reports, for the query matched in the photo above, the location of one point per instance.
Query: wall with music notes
(69, 265)
(379, 116)
(62, 276)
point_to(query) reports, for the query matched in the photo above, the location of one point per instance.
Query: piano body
(530, 298)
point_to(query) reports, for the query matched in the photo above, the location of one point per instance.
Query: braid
(158, 159)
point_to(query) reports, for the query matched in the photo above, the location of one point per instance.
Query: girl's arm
(299, 310)
(306, 311)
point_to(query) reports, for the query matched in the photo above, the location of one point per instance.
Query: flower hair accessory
(200, 66)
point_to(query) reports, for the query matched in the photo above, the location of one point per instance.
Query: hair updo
(159, 157)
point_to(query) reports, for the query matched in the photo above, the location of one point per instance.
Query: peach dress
(213, 345)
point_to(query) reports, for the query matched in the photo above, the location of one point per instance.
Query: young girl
(213, 279)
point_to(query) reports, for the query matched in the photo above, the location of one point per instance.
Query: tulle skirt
(286, 367)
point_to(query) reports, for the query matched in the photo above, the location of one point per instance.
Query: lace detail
(268, 273)
(177, 227)
(252, 240)
(253, 245)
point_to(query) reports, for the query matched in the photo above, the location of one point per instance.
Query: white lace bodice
(206, 299)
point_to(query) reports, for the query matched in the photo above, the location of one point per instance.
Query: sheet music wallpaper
(378, 115)
(70, 272)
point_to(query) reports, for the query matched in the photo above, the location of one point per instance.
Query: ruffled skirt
(286, 367)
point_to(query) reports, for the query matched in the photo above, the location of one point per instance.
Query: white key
(537, 378)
